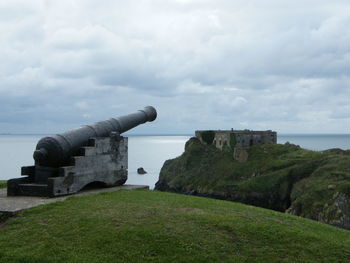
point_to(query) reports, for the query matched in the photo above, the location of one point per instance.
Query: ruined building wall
(234, 138)
(221, 139)
(238, 141)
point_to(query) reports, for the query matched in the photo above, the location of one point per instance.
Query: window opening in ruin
(251, 142)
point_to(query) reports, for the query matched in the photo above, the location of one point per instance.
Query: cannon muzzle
(56, 150)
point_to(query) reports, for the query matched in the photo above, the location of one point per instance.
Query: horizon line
(176, 134)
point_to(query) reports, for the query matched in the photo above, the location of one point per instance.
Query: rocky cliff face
(285, 178)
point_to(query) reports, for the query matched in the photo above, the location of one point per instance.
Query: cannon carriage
(66, 163)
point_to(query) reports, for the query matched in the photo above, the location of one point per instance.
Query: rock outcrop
(141, 170)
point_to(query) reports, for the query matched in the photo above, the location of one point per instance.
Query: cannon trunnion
(66, 163)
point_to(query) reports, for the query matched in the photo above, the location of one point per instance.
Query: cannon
(92, 154)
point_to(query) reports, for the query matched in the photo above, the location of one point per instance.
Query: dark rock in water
(285, 178)
(141, 171)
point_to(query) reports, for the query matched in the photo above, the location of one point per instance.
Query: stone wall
(242, 138)
(221, 139)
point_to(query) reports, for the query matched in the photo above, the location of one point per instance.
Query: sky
(250, 64)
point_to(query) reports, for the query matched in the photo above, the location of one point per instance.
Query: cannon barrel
(56, 150)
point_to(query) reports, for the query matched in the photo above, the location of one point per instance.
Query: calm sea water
(148, 152)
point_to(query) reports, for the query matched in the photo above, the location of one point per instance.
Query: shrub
(208, 136)
(233, 140)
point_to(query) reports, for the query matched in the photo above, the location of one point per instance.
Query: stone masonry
(105, 161)
(238, 140)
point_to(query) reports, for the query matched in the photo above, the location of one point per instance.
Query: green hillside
(286, 177)
(152, 226)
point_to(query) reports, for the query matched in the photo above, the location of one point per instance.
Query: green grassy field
(2, 184)
(151, 226)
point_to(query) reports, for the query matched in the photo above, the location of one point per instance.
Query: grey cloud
(244, 64)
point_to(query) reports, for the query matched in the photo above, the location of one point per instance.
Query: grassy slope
(275, 177)
(2, 184)
(151, 226)
(212, 171)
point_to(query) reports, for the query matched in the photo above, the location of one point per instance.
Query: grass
(152, 226)
(211, 171)
(3, 184)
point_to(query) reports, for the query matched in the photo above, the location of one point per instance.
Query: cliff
(285, 178)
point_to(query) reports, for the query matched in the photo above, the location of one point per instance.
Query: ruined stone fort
(237, 140)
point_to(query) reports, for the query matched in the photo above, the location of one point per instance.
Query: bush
(208, 136)
(233, 140)
(3, 184)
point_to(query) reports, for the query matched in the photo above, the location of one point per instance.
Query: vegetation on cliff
(151, 226)
(286, 177)
(3, 184)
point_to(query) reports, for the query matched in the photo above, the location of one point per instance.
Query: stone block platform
(14, 204)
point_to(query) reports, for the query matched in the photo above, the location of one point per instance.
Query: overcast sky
(263, 64)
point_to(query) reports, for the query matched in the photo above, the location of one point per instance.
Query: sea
(149, 152)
